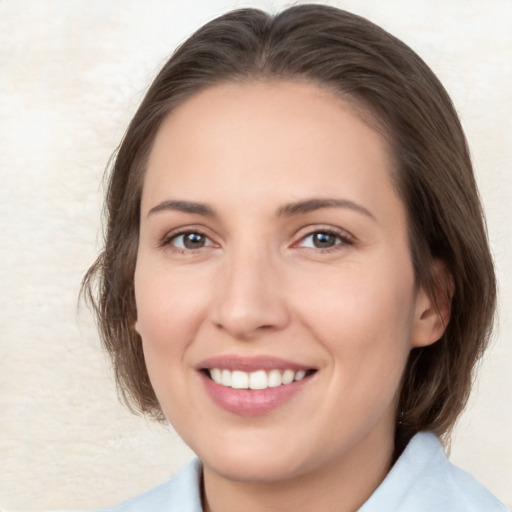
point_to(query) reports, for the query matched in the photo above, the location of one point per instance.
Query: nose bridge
(250, 297)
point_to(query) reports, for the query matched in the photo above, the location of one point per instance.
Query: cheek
(365, 299)
(364, 318)
(169, 312)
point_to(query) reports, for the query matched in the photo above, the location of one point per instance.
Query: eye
(190, 240)
(324, 240)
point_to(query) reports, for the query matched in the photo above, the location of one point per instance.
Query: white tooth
(288, 376)
(300, 375)
(274, 378)
(216, 375)
(226, 378)
(239, 380)
(258, 380)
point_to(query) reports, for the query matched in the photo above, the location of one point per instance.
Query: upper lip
(249, 364)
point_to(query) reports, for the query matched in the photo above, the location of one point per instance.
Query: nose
(250, 299)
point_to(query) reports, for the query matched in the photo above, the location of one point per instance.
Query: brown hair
(369, 67)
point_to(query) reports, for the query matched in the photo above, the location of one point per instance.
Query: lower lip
(249, 402)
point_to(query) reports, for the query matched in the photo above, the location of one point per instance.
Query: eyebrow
(311, 205)
(288, 210)
(185, 207)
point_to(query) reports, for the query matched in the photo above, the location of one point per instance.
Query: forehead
(268, 138)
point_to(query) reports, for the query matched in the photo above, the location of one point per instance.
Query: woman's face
(274, 255)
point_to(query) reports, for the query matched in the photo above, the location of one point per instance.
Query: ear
(135, 325)
(433, 307)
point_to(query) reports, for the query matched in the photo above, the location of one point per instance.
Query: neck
(341, 486)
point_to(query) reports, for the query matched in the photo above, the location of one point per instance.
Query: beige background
(71, 74)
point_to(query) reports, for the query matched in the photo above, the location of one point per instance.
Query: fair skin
(272, 239)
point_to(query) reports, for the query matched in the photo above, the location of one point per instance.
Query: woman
(296, 271)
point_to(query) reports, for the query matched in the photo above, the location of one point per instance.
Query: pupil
(323, 240)
(193, 241)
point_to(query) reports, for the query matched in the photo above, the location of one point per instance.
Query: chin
(253, 458)
(257, 468)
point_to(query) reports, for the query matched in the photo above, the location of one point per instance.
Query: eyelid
(166, 240)
(345, 237)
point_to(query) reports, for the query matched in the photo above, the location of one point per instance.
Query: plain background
(71, 75)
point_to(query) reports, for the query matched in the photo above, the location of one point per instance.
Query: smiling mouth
(256, 380)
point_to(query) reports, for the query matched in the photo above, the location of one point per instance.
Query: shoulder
(424, 480)
(180, 494)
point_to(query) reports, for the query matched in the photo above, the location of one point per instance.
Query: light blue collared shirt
(422, 480)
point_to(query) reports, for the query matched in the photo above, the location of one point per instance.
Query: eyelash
(167, 241)
(344, 240)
